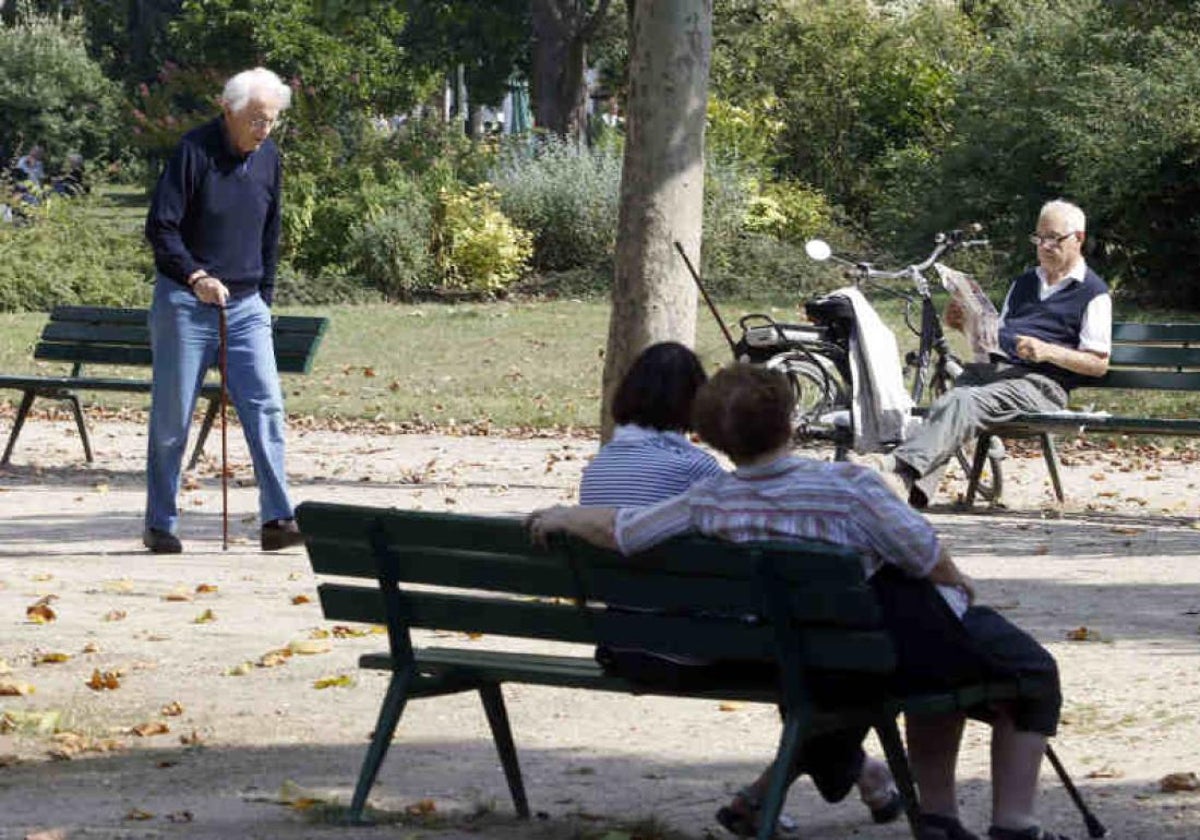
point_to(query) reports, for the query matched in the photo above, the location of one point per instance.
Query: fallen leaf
(1179, 782)
(1129, 532)
(206, 617)
(138, 814)
(180, 817)
(1104, 772)
(310, 647)
(104, 680)
(172, 709)
(145, 730)
(729, 706)
(1083, 634)
(114, 615)
(194, 739)
(51, 658)
(274, 658)
(90, 647)
(239, 670)
(421, 808)
(318, 633)
(15, 689)
(118, 587)
(206, 589)
(40, 612)
(301, 599)
(177, 594)
(343, 681)
(42, 723)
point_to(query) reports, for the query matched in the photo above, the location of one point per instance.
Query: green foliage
(67, 253)
(566, 195)
(478, 248)
(161, 112)
(390, 248)
(749, 133)
(789, 211)
(52, 93)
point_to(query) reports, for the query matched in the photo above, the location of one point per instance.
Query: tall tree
(561, 32)
(662, 183)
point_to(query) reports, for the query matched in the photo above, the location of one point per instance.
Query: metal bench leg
(493, 704)
(385, 728)
(897, 759)
(22, 412)
(77, 409)
(1051, 456)
(981, 452)
(210, 414)
(781, 776)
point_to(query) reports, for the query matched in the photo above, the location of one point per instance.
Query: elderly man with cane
(214, 224)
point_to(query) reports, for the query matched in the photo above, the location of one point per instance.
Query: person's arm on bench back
(593, 524)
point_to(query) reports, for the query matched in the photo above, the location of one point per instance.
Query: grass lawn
(506, 364)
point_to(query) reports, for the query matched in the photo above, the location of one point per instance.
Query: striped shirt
(793, 498)
(641, 466)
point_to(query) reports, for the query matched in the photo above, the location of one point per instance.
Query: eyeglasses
(266, 122)
(1050, 240)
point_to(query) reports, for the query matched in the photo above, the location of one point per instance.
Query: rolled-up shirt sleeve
(164, 222)
(639, 528)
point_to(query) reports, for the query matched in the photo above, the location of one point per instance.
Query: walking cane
(1094, 827)
(221, 362)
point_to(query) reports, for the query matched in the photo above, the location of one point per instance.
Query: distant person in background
(71, 183)
(30, 168)
(214, 224)
(650, 457)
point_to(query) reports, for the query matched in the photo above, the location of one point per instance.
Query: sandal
(884, 800)
(743, 821)
(891, 808)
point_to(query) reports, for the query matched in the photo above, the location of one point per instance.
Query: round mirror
(817, 249)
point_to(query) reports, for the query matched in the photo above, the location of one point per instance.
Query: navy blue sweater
(1058, 319)
(218, 210)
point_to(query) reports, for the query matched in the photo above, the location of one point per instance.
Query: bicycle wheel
(991, 481)
(820, 395)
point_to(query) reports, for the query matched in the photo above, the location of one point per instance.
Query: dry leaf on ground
(15, 689)
(145, 730)
(1084, 634)
(1179, 782)
(104, 680)
(172, 709)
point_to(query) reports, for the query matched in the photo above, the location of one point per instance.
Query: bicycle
(816, 356)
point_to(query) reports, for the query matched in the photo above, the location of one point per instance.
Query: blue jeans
(185, 339)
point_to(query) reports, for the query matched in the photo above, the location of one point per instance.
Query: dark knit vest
(1058, 320)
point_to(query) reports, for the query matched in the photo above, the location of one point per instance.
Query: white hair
(259, 83)
(1067, 212)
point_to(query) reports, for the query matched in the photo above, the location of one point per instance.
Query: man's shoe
(161, 542)
(280, 533)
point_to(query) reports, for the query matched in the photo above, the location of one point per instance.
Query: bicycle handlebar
(944, 243)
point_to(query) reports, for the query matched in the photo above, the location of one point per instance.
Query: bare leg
(1016, 759)
(933, 753)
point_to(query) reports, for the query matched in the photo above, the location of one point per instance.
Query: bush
(68, 254)
(566, 195)
(294, 288)
(52, 93)
(479, 249)
(391, 249)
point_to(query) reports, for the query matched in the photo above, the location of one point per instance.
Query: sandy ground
(248, 747)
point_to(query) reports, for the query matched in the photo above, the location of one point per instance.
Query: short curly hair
(745, 411)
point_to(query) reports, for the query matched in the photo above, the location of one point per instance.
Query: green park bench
(804, 604)
(1145, 357)
(96, 335)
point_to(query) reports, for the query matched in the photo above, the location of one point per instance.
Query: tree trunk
(662, 184)
(561, 30)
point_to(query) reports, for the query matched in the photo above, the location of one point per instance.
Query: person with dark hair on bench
(941, 638)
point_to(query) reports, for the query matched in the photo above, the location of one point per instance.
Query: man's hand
(211, 290)
(1034, 349)
(542, 523)
(953, 316)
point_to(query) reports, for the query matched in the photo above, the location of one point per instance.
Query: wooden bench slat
(85, 336)
(1134, 331)
(1140, 355)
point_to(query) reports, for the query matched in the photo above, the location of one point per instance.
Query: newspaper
(981, 321)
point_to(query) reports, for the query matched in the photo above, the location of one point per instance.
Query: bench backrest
(696, 596)
(1153, 356)
(117, 336)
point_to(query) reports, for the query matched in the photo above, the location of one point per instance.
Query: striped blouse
(641, 466)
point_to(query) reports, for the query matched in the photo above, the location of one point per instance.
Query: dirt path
(1121, 560)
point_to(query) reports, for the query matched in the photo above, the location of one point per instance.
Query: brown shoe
(280, 533)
